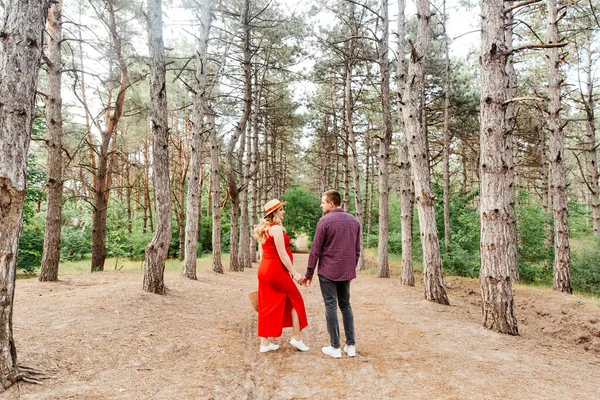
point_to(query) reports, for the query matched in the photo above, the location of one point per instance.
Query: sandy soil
(101, 337)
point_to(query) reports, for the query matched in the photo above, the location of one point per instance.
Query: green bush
(534, 253)
(585, 269)
(395, 242)
(31, 240)
(302, 212)
(535, 272)
(463, 257)
(579, 220)
(75, 243)
(31, 246)
(461, 262)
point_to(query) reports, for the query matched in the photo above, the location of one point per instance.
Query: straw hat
(273, 205)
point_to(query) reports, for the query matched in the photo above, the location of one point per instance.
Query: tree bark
(358, 205)
(558, 185)
(383, 268)
(158, 248)
(512, 153)
(54, 182)
(102, 176)
(591, 159)
(240, 130)
(20, 53)
(496, 286)
(199, 104)
(255, 159)
(417, 150)
(244, 248)
(407, 194)
(446, 163)
(215, 182)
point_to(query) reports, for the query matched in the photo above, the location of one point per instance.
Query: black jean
(334, 292)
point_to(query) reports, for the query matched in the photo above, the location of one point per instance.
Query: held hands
(297, 276)
(304, 281)
(301, 280)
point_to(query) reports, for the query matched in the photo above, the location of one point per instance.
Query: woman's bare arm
(277, 232)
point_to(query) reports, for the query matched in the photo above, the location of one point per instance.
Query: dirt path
(101, 337)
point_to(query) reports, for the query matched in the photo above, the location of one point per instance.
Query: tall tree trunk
(244, 245)
(255, 158)
(99, 210)
(543, 168)
(147, 202)
(371, 195)
(591, 158)
(512, 153)
(562, 256)
(496, 286)
(240, 130)
(383, 267)
(54, 183)
(367, 198)
(358, 205)
(446, 163)
(199, 100)
(20, 54)
(102, 177)
(345, 154)
(215, 182)
(158, 248)
(407, 195)
(417, 150)
(128, 195)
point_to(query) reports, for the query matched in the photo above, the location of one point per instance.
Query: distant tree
(215, 192)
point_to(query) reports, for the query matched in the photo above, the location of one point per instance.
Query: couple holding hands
(335, 247)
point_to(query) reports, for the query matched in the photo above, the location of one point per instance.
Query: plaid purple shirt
(336, 246)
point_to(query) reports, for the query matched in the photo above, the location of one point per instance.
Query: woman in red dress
(280, 304)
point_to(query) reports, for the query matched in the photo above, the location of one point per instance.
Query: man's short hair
(334, 197)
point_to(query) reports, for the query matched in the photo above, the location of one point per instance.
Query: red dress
(277, 292)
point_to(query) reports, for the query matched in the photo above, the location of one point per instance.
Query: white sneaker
(299, 344)
(332, 352)
(269, 347)
(350, 350)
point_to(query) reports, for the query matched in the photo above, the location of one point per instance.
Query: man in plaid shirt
(336, 248)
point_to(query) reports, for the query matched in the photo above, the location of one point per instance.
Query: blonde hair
(264, 225)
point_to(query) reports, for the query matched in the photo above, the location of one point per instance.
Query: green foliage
(75, 243)
(76, 232)
(463, 257)
(394, 242)
(534, 253)
(31, 245)
(585, 269)
(302, 212)
(31, 241)
(580, 218)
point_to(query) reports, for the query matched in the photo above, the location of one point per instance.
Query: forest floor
(99, 336)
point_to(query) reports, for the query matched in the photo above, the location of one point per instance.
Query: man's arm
(358, 238)
(315, 250)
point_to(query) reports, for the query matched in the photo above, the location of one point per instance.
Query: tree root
(30, 375)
